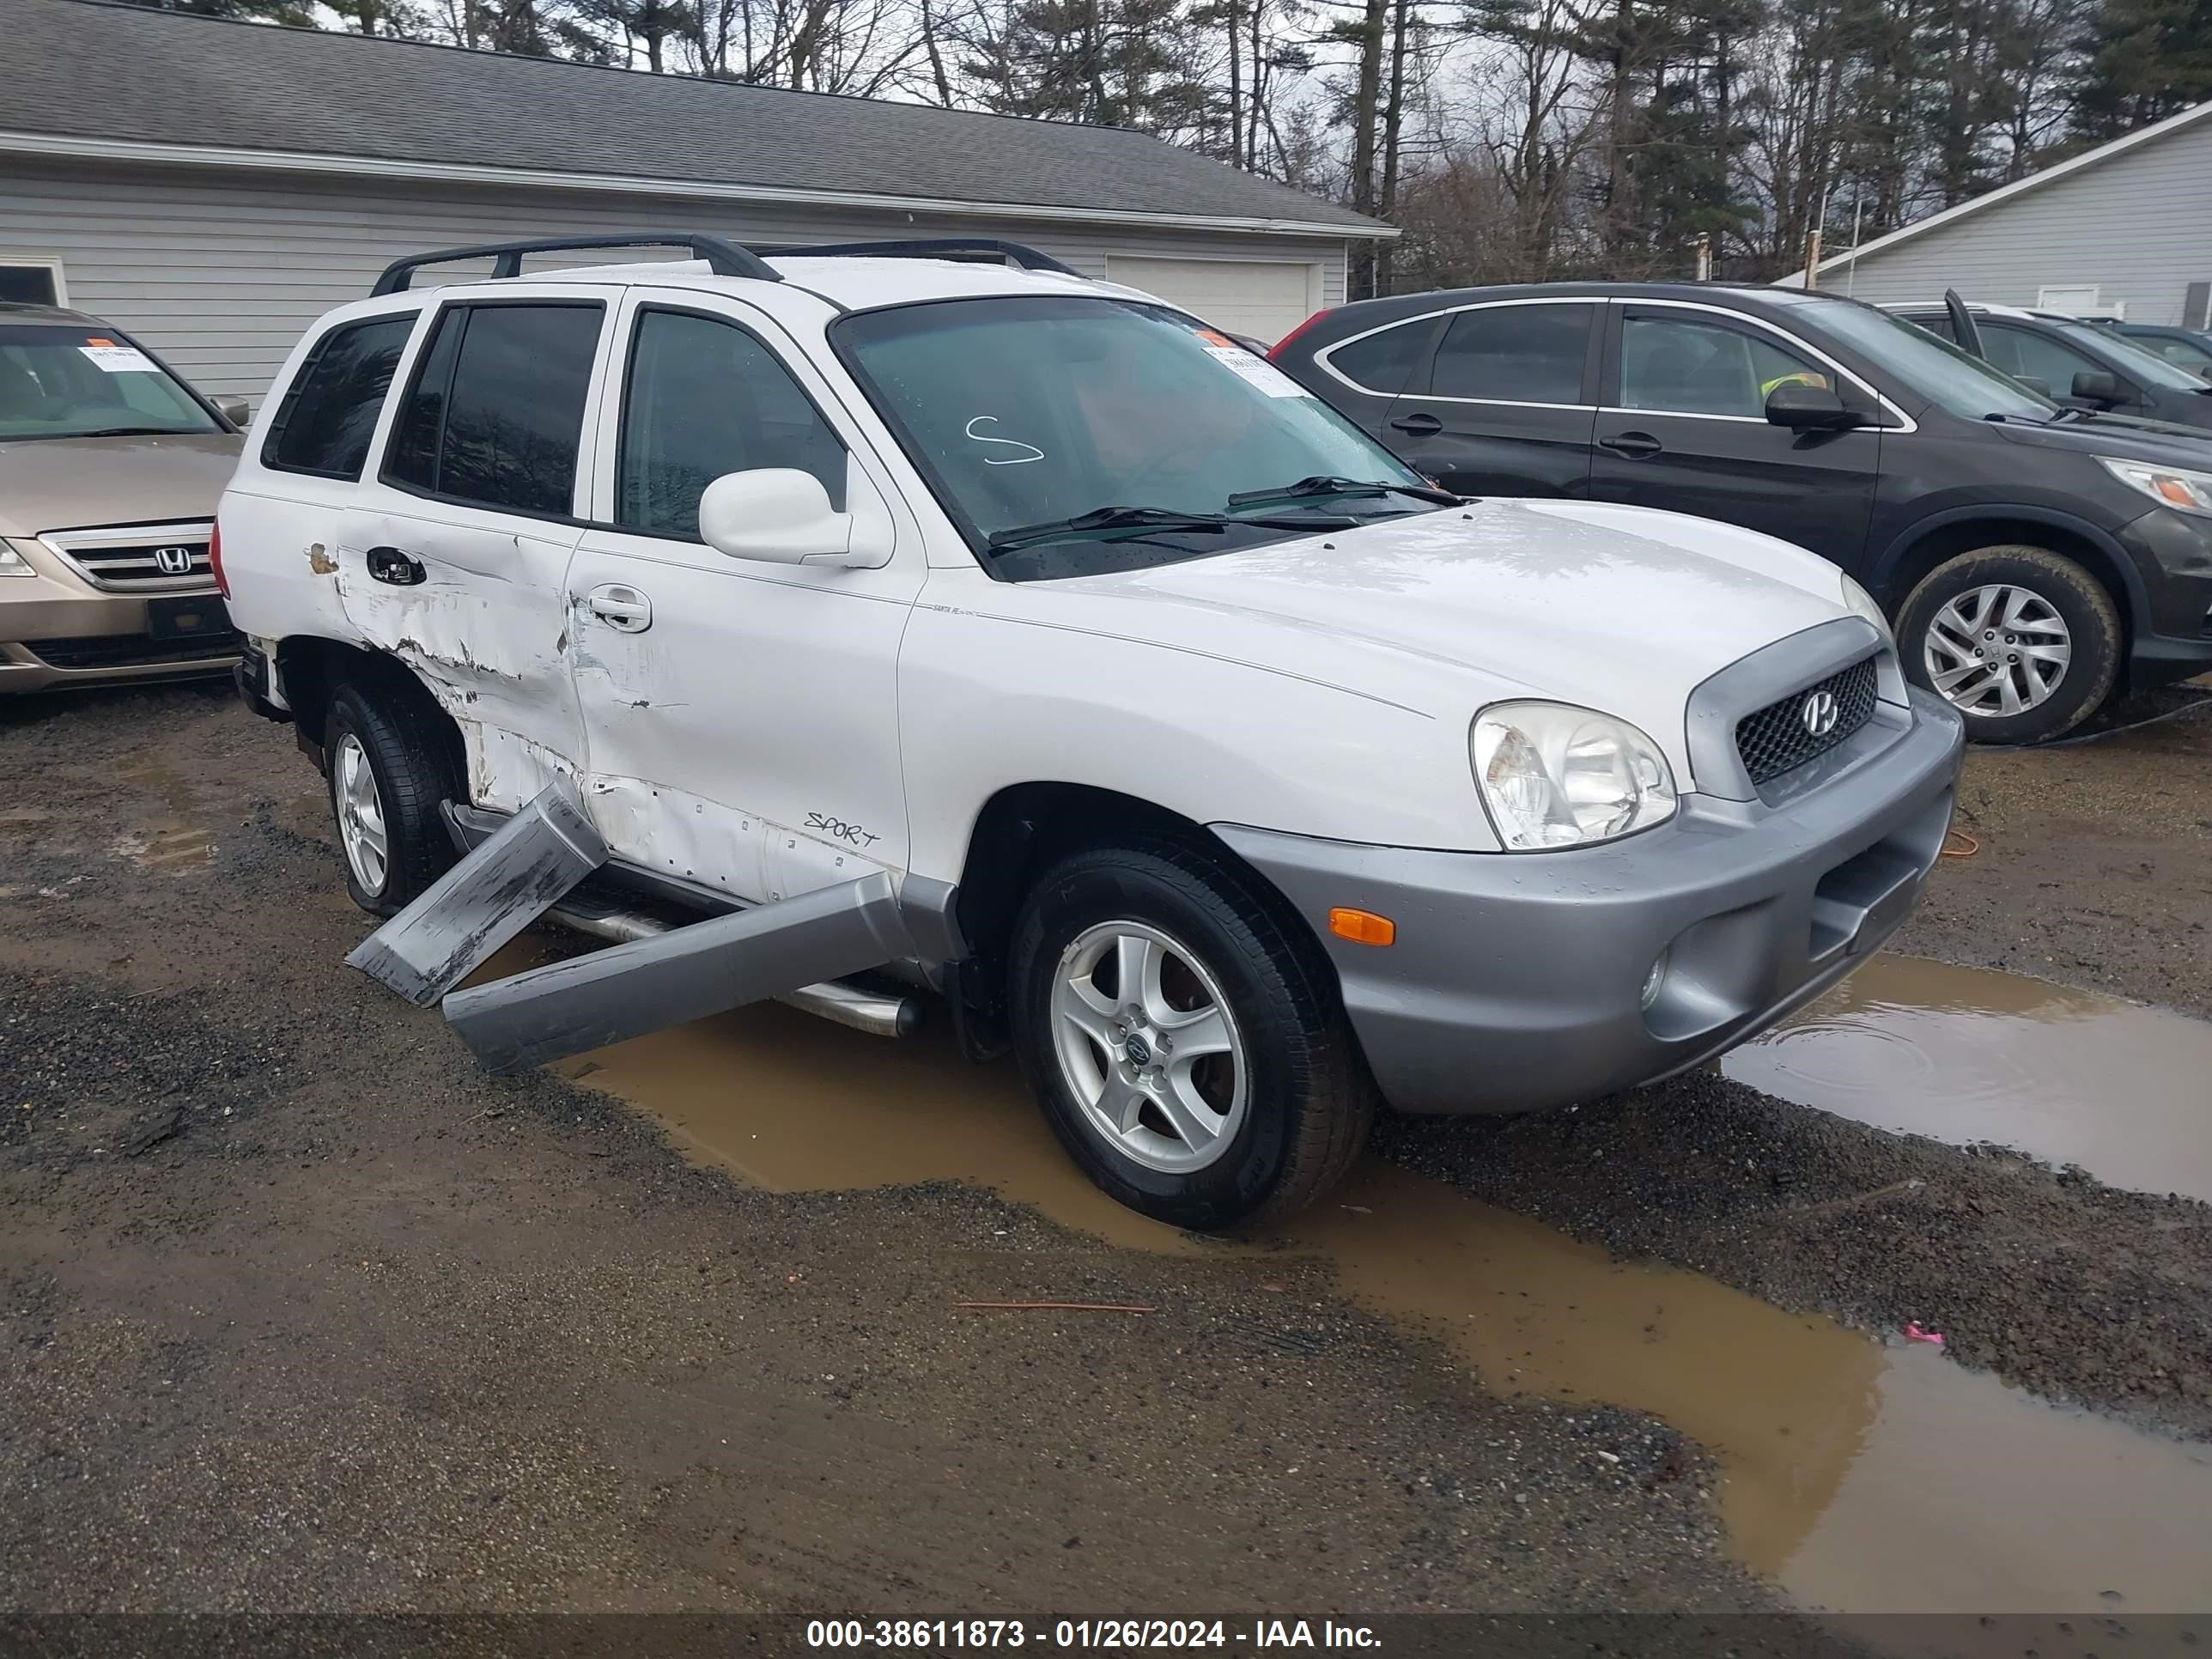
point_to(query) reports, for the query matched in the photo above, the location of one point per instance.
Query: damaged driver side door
(454, 558)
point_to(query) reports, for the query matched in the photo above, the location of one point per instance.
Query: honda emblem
(174, 561)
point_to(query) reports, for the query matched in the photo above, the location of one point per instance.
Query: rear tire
(2049, 633)
(1268, 1104)
(389, 772)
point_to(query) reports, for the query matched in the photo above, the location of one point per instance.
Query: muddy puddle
(1857, 1476)
(176, 845)
(1963, 1054)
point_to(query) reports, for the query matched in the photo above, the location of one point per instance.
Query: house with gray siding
(213, 186)
(2123, 230)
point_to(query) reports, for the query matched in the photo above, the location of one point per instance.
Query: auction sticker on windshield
(118, 360)
(1258, 370)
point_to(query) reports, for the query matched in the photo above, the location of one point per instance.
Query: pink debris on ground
(1914, 1333)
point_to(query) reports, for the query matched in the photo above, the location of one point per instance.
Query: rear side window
(1515, 354)
(705, 397)
(329, 412)
(1383, 362)
(495, 414)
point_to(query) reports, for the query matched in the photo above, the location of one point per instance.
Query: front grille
(131, 650)
(1777, 739)
(122, 560)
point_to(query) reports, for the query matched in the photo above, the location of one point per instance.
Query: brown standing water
(1963, 1054)
(1860, 1477)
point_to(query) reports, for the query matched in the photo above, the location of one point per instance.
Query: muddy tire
(2049, 631)
(1183, 1035)
(389, 771)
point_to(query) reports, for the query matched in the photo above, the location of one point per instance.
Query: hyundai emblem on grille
(174, 561)
(1819, 714)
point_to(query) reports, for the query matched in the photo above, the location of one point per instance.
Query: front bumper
(2171, 635)
(56, 631)
(1516, 978)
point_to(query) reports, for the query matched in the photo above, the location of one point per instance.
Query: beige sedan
(109, 470)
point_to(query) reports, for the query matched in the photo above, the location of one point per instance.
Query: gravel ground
(299, 1310)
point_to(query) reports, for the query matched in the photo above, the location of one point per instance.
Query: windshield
(1952, 380)
(65, 381)
(1028, 412)
(2130, 354)
(2187, 352)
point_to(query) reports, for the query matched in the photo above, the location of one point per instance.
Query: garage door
(1263, 298)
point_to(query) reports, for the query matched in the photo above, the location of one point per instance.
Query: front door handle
(1631, 443)
(621, 608)
(389, 565)
(1420, 426)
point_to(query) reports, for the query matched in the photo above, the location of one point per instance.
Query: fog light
(1654, 979)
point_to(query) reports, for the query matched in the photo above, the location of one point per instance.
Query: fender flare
(2131, 579)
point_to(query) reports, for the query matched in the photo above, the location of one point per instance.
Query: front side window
(329, 412)
(495, 414)
(2182, 354)
(1679, 366)
(2034, 356)
(1515, 354)
(705, 397)
(1029, 412)
(73, 381)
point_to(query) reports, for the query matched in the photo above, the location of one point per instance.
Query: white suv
(1249, 780)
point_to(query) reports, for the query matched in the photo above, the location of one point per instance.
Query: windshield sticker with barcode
(1258, 370)
(118, 360)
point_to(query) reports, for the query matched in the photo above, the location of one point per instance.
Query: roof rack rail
(929, 247)
(723, 259)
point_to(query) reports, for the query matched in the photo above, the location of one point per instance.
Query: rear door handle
(389, 565)
(621, 608)
(1421, 426)
(1631, 443)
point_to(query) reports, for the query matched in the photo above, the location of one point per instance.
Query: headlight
(1554, 776)
(13, 563)
(1861, 603)
(2169, 486)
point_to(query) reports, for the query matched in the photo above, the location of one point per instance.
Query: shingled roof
(80, 70)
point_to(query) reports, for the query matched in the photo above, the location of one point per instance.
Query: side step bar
(684, 974)
(879, 1013)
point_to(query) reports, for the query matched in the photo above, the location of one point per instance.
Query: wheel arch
(310, 670)
(1930, 541)
(1021, 829)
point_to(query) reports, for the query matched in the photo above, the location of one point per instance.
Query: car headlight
(1554, 776)
(2169, 486)
(1861, 603)
(13, 563)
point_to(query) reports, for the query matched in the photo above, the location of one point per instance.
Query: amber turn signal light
(1362, 927)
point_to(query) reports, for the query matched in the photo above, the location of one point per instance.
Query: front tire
(388, 773)
(1184, 1036)
(2024, 643)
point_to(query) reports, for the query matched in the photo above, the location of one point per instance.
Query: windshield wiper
(127, 432)
(1149, 518)
(1110, 518)
(1322, 484)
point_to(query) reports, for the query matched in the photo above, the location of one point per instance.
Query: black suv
(2076, 363)
(2033, 557)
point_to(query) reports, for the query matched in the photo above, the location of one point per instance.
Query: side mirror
(1809, 409)
(2096, 386)
(236, 410)
(781, 515)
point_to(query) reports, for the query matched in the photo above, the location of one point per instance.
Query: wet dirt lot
(302, 1310)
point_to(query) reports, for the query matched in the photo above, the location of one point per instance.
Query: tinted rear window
(496, 412)
(1383, 362)
(330, 410)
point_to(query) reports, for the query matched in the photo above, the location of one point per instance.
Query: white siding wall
(221, 273)
(2138, 226)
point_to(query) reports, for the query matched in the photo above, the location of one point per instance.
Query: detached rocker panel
(685, 974)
